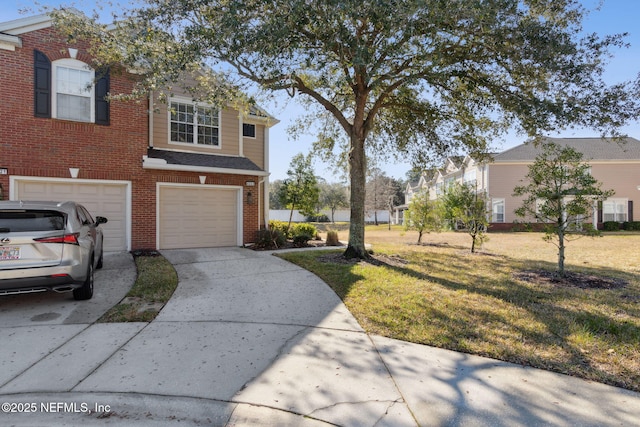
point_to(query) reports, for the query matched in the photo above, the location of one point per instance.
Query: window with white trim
(470, 176)
(248, 130)
(497, 210)
(73, 90)
(615, 210)
(191, 123)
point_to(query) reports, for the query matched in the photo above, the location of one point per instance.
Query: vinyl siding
(254, 147)
(623, 178)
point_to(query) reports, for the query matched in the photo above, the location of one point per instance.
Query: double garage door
(105, 199)
(198, 217)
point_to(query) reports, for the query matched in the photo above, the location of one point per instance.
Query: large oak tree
(422, 78)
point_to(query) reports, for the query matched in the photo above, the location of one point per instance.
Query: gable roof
(24, 25)
(10, 31)
(591, 148)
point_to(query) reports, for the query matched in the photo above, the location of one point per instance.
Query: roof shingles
(592, 149)
(203, 160)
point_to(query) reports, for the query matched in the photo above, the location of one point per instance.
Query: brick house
(181, 177)
(615, 165)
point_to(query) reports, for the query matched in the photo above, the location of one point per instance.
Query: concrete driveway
(251, 340)
(112, 283)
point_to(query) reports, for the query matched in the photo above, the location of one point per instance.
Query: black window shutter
(600, 213)
(630, 210)
(41, 85)
(102, 105)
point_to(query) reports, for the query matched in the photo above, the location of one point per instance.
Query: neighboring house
(615, 165)
(455, 169)
(182, 175)
(412, 188)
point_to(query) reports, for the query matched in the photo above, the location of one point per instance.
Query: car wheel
(99, 265)
(85, 291)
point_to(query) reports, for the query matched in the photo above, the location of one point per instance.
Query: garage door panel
(100, 199)
(197, 217)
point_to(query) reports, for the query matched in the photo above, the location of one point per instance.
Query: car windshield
(30, 220)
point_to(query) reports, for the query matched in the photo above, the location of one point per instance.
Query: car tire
(85, 291)
(99, 265)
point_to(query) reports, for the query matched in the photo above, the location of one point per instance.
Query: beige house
(615, 164)
(465, 170)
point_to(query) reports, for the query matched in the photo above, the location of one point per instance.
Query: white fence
(339, 216)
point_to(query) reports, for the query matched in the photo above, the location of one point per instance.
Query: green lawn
(494, 304)
(155, 283)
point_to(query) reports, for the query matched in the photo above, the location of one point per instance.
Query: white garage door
(104, 199)
(197, 217)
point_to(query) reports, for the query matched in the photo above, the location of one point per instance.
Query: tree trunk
(290, 218)
(357, 172)
(561, 254)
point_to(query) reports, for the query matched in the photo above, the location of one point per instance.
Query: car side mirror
(101, 220)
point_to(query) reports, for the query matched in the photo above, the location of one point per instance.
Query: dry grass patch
(502, 302)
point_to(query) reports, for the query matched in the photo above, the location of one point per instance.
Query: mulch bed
(290, 245)
(571, 279)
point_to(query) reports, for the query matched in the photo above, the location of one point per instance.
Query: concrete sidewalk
(251, 340)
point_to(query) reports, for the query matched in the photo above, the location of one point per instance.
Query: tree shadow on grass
(587, 325)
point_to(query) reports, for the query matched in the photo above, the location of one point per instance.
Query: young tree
(274, 195)
(334, 197)
(560, 193)
(381, 191)
(300, 189)
(423, 215)
(420, 78)
(463, 205)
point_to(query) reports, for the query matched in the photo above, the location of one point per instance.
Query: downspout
(150, 112)
(264, 187)
(241, 136)
(266, 179)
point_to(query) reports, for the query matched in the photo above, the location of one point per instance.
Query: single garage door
(197, 217)
(104, 199)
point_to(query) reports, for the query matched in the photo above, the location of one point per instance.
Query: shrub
(521, 226)
(318, 218)
(300, 240)
(611, 226)
(304, 229)
(631, 226)
(332, 238)
(281, 226)
(270, 239)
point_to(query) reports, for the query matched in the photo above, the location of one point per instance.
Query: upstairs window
(68, 89)
(74, 91)
(470, 177)
(194, 124)
(248, 130)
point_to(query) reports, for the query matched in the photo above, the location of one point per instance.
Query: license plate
(9, 252)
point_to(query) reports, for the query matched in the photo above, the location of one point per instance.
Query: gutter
(9, 42)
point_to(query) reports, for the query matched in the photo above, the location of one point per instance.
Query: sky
(614, 16)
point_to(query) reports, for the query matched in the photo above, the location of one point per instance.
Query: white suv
(49, 246)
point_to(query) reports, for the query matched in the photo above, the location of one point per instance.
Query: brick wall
(48, 147)
(31, 146)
